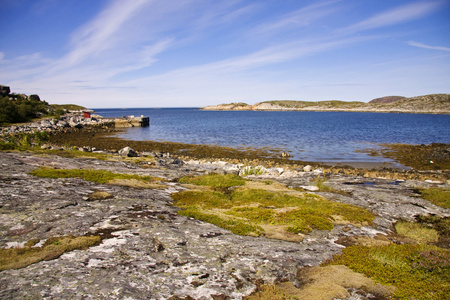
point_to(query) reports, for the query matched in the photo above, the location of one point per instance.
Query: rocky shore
(148, 251)
(70, 120)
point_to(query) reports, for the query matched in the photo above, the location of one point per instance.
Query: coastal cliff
(430, 104)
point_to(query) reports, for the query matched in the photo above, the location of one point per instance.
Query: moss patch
(253, 211)
(439, 197)
(99, 176)
(16, 258)
(216, 181)
(417, 271)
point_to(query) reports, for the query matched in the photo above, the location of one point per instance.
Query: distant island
(429, 104)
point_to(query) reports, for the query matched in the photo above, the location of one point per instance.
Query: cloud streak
(394, 16)
(421, 45)
(99, 34)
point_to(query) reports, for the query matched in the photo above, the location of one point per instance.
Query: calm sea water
(310, 136)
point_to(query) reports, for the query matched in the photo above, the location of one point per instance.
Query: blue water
(310, 136)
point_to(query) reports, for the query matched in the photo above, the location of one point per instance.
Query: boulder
(307, 168)
(285, 154)
(128, 152)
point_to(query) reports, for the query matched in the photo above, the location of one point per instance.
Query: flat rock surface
(148, 251)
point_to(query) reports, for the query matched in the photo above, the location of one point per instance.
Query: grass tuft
(98, 176)
(416, 231)
(247, 171)
(16, 258)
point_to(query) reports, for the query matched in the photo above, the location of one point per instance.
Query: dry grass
(416, 231)
(100, 195)
(16, 258)
(323, 283)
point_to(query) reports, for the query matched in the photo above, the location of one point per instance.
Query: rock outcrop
(148, 251)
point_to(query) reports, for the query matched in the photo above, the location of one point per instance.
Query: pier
(132, 121)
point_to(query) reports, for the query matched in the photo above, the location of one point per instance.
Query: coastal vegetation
(17, 108)
(253, 209)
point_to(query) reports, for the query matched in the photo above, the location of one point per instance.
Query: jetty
(132, 121)
(123, 122)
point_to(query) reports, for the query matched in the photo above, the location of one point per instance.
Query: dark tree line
(16, 108)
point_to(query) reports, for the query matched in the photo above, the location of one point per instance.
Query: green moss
(255, 207)
(418, 271)
(215, 181)
(99, 176)
(439, 197)
(16, 258)
(235, 226)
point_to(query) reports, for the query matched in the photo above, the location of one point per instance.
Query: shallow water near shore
(309, 136)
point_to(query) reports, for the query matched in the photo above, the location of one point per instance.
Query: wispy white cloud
(299, 18)
(421, 45)
(98, 35)
(397, 15)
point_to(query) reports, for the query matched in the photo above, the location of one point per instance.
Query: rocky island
(86, 215)
(429, 104)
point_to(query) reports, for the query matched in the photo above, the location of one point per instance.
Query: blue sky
(191, 53)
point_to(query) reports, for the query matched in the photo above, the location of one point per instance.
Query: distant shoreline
(427, 104)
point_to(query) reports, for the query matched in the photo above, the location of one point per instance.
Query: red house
(87, 114)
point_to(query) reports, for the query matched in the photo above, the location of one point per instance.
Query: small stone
(307, 168)
(310, 188)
